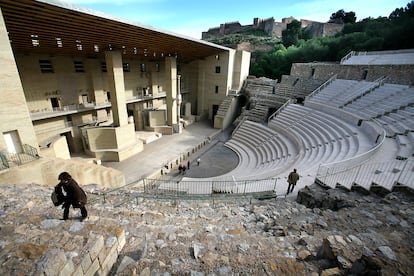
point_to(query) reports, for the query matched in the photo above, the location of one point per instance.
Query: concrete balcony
(65, 110)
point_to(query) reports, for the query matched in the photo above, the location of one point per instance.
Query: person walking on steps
(74, 195)
(292, 180)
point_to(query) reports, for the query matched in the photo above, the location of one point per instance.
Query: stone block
(121, 240)
(68, 269)
(52, 262)
(93, 268)
(102, 255)
(95, 246)
(86, 262)
(109, 261)
(78, 270)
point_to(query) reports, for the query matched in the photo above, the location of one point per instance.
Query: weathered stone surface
(317, 197)
(124, 263)
(268, 237)
(387, 252)
(331, 272)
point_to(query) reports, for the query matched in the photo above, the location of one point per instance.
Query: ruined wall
(274, 29)
(317, 29)
(399, 74)
(331, 29)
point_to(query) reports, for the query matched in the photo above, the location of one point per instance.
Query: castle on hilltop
(273, 28)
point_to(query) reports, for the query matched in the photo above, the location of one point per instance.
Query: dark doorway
(69, 141)
(364, 74)
(55, 102)
(300, 100)
(215, 109)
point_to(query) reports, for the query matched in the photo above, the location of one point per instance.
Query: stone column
(116, 87)
(14, 112)
(99, 94)
(171, 89)
(179, 100)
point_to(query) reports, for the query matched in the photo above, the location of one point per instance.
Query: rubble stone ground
(365, 235)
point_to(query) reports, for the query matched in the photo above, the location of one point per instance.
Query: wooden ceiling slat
(26, 17)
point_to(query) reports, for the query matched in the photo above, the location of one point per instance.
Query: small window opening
(46, 66)
(35, 40)
(364, 74)
(103, 66)
(79, 45)
(59, 42)
(79, 68)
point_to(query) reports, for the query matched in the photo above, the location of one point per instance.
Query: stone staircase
(224, 106)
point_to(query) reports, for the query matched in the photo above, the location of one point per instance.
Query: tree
(292, 33)
(403, 12)
(342, 17)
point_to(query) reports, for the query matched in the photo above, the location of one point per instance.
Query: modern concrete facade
(95, 80)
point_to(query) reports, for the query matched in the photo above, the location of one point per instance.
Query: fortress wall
(274, 29)
(278, 27)
(331, 29)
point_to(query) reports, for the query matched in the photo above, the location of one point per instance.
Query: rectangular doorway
(55, 102)
(13, 142)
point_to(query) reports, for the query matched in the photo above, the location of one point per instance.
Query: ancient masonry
(273, 28)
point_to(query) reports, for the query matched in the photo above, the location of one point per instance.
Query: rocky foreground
(339, 233)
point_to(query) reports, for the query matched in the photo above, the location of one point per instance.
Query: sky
(192, 17)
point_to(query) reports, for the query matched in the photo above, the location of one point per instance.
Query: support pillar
(179, 100)
(15, 118)
(116, 86)
(99, 94)
(171, 90)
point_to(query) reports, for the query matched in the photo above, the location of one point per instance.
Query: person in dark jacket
(292, 180)
(74, 195)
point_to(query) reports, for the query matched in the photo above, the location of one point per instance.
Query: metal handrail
(356, 160)
(348, 56)
(360, 174)
(280, 109)
(29, 154)
(191, 190)
(322, 86)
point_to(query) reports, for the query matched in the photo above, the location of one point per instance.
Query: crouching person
(74, 195)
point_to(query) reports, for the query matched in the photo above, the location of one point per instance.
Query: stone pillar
(14, 112)
(171, 89)
(116, 87)
(179, 100)
(99, 94)
(202, 108)
(187, 110)
(138, 116)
